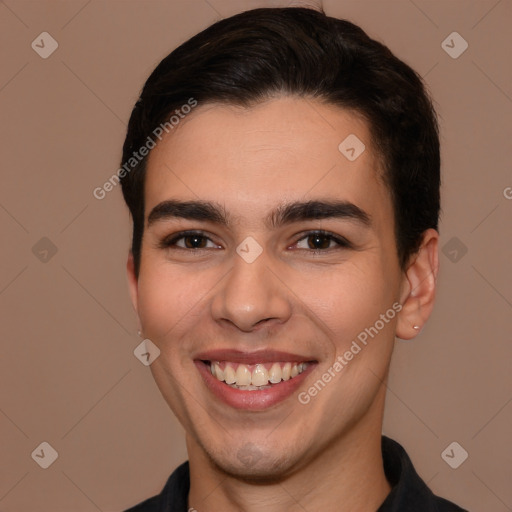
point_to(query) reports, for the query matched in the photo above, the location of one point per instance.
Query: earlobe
(419, 287)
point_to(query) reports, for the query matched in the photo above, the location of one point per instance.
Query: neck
(347, 476)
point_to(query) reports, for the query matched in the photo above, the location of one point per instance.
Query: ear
(133, 285)
(418, 287)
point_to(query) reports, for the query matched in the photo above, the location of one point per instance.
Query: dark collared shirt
(408, 494)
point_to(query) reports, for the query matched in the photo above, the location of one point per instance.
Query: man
(282, 172)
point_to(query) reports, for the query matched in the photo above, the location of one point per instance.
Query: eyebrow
(285, 213)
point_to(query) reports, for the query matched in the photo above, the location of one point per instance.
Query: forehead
(253, 158)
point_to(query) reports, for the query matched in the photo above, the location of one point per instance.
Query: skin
(325, 455)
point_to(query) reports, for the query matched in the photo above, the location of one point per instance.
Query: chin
(251, 463)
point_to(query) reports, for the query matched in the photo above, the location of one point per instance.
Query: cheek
(170, 299)
(346, 299)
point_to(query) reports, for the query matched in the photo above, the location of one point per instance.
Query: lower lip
(255, 400)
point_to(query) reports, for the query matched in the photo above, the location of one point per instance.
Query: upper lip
(260, 356)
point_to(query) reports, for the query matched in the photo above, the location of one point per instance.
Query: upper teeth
(237, 374)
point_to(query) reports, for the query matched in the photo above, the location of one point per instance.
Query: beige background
(68, 375)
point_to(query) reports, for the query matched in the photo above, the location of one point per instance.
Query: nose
(251, 296)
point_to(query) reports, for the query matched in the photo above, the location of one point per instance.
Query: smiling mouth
(254, 377)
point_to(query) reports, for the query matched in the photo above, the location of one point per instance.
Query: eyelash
(170, 242)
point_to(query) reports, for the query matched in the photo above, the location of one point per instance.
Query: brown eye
(187, 240)
(319, 242)
(322, 241)
(194, 241)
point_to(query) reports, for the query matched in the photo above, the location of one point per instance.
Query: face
(263, 294)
